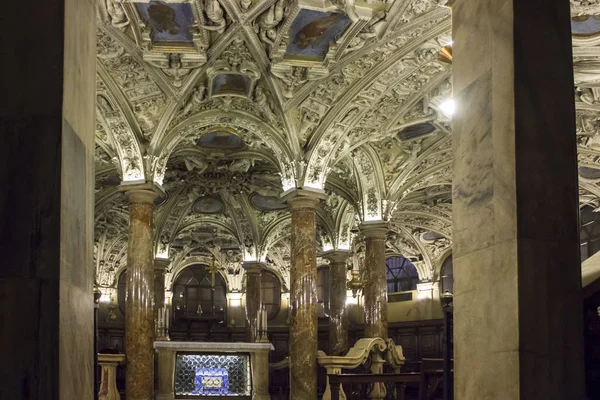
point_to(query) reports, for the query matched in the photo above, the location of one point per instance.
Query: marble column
(375, 283)
(517, 273)
(47, 200)
(139, 305)
(338, 313)
(166, 374)
(260, 376)
(160, 268)
(303, 295)
(108, 383)
(253, 299)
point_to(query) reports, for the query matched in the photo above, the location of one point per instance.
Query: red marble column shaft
(303, 299)
(338, 313)
(375, 287)
(139, 310)
(253, 299)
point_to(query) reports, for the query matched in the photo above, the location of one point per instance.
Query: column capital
(336, 256)
(374, 230)
(253, 267)
(303, 198)
(144, 193)
(161, 264)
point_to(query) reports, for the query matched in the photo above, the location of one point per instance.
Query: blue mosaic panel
(212, 375)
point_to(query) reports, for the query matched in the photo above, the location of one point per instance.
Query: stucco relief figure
(292, 79)
(267, 22)
(215, 14)
(263, 102)
(176, 70)
(245, 4)
(195, 163)
(111, 11)
(242, 165)
(348, 7)
(103, 104)
(162, 18)
(197, 96)
(413, 149)
(313, 33)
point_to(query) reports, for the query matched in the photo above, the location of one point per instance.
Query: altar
(201, 370)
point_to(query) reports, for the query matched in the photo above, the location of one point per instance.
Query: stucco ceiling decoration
(229, 103)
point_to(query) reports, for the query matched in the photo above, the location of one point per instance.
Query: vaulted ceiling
(226, 104)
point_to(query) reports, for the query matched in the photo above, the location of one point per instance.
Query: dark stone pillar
(303, 295)
(253, 299)
(139, 306)
(47, 119)
(375, 283)
(338, 313)
(517, 289)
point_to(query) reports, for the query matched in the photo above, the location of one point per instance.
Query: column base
(168, 396)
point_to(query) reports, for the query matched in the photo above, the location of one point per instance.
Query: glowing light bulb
(105, 298)
(448, 107)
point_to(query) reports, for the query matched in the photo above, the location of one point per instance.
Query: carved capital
(374, 230)
(304, 198)
(253, 267)
(161, 264)
(337, 256)
(144, 193)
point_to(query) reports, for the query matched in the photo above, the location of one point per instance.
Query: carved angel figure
(116, 14)
(268, 21)
(197, 96)
(292, 79)
(215, 14)
(262, 101)
(413, 150)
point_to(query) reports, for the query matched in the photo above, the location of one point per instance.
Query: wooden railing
(399, 382)
(429, 382)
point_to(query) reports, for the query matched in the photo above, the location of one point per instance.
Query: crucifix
(213, 269)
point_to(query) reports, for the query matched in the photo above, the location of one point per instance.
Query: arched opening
(401, 274)
(199, 295)
(447, 276)
(271, 294)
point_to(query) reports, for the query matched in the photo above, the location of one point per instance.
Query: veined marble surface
(517, 280)
(214, 346)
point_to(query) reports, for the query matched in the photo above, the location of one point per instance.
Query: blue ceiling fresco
(313, 31)
(589, 173)
(169, 22)
(585, 25)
